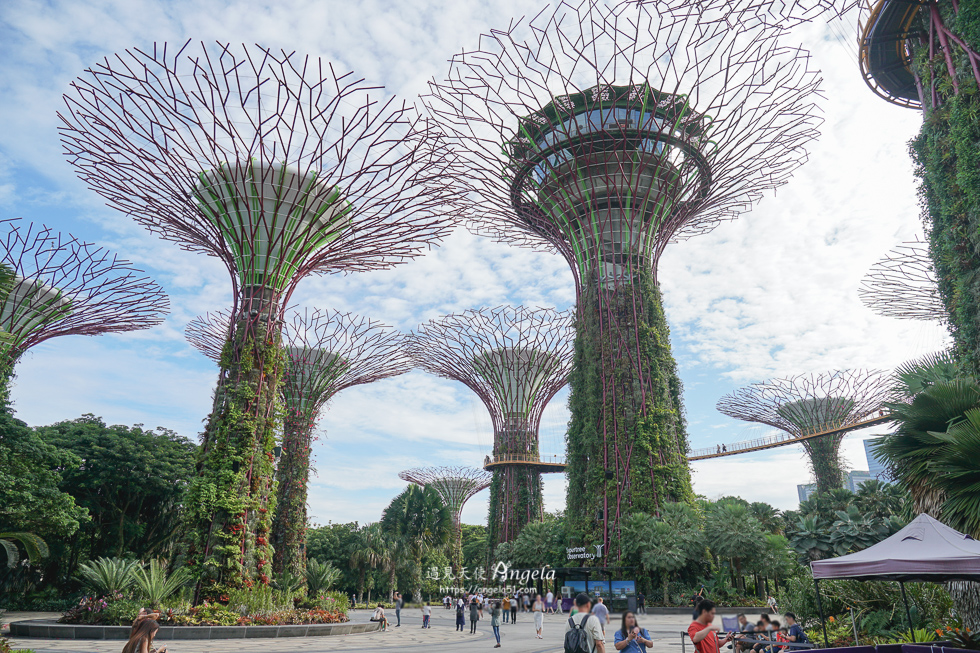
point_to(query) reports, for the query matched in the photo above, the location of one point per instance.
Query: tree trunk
(292, 477)
(666, 590)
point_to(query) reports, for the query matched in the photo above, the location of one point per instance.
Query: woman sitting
(141, 637)
(379, 615)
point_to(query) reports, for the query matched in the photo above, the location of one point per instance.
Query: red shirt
(707, 645)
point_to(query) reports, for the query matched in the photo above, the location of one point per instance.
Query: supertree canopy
(808, 404)
(281, 167)
(904, 285)
(54, 284)
(515, 360)
(623, 130)
(456, 485)
(326, 351)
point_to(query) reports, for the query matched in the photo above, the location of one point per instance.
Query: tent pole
(908, 614)
(823, 622)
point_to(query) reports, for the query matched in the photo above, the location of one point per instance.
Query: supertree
(326, 352)
(623, 130)
(54, 284)
(904, 285)
(456, 485)
(808, 404)
(515, 360)
(281, 167)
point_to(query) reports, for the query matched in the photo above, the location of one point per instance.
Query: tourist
(746, 628)
(141, 638)
(763, 627)
(641, 603)
(495, 621)
(460, 615)
(794, 630)
(779, 635)
(399, 604)
(379, 616)
(513, 608)
(702, 633)
(446, 601)
(426, 613)
(474, 615)
(582, 620)
(144, 613)
(549, 602)
(538, 610)
(630, 637)
(506, 608)
(602, 612)
(771, 602)
(527, 602)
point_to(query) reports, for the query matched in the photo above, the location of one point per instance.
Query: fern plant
(155, 585)
(35, 547)
(108, 575)
(320, 577)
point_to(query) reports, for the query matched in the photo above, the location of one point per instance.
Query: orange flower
(939, 632)
(831, 619)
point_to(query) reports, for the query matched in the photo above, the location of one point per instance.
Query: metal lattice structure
(904, 285)
(281, 167)
(809, 404)
(603, 134)
(456, 486)
(327, 351)
(515, 360)
(57, 285)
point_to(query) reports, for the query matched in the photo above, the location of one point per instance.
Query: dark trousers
(459, 626)
(513, 614)
(472, 625)
(398, 616)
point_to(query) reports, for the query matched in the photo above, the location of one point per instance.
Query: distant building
(876, 466)
(856, 479)
(806, 491)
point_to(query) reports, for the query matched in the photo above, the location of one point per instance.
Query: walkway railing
(781, 439)
(531, 459)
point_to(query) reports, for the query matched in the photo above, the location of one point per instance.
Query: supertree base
(627, 439)
(516, 500)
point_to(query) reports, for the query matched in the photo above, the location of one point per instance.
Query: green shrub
(320, 577)
(260, 599)
(122, 612)
(108, 575)
(154, 584)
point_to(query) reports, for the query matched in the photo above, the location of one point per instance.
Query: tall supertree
(326, 352)
(54, 284)
(281, 167)
(903, 285)
(456, 486)
(806, 404)
(515, 360)
(603, 135)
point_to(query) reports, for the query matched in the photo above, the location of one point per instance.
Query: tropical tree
(810, 538)
(35, 547)
(420, 519)
(663, 553)
(881, 500)
(776, 560)
(108, 575)
(367, 554)
(768, 517)
(733, 533)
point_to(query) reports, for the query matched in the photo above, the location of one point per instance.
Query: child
(426, 613)
(780, 636)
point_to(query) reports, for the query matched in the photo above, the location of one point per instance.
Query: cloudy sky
(773, 293)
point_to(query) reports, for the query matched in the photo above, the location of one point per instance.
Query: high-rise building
(856, 478)
(876, 466)
(806, 491)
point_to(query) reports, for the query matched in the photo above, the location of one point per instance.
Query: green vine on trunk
(292, 475)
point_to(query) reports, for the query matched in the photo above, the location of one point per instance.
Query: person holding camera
(702, 634)
(630, 637)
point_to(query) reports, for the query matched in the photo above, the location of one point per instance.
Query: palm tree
(366, 553)
(35, 547)
(734, 534)
(419, 518)
(768, 517)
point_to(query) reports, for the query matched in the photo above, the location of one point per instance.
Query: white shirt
(427, 609)
(593, 630)
(550, 597)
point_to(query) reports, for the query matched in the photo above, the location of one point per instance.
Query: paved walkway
(410, 638)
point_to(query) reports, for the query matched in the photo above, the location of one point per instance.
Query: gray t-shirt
(400, 603)
(593, 631)
(602, 612)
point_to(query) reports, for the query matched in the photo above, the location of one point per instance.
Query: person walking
(426, 614)
(588, 626)
(505, 606)
(460, 615)
(399, 604)
(602, 613)
(513, 608)
(527, 602)
(641, 603)
(549, 602)
(538, 610)
(630, 637)
(474, 615)
(495, 611)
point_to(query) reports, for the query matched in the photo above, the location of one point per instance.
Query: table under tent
(924, 551)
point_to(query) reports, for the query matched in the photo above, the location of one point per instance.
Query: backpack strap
(571, 622)
(581, 626)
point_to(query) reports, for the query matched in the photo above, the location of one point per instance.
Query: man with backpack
(583, 633)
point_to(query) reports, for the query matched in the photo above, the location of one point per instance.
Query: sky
(773, 293)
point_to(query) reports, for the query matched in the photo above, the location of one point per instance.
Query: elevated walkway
(544, 464)
(780, 440)
(884, 53)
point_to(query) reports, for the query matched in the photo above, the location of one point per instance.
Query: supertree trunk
(627, 440)
(825, 462)
(516, 500)
(292, 477)
(229, 501)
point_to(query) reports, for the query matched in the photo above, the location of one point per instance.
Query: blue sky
(773, 293)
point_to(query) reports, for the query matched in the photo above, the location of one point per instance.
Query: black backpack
(576, 639)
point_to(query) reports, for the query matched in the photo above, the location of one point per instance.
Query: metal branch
(59, 285)
(514, 359)
(903, 285)
(275, 163)
(327, 352)
(456, 485)
(810, 403)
